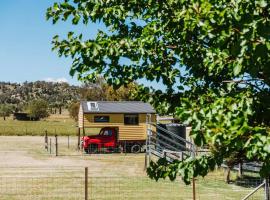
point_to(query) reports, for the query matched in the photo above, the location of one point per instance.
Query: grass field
(55, 124)
(27, 171)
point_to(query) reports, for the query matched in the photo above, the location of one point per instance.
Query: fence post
(56, 146)
(148, 153)
(193, 188)
(50, 145)
(193, 179)
(86, 183)
(266, 189)
(79, 139)
(46, 140)
(146, 156)
(68, 141)
(125, 147)
(240, 170)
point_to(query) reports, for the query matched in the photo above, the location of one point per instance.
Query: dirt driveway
(26, 152)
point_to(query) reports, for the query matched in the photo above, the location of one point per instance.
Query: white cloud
(56, 80)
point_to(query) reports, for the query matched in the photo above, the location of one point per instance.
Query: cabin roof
(117, 107)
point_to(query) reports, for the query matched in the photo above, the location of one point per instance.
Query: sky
(25, 42)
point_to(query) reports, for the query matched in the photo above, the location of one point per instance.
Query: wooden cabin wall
(126, 132)
(80, 117)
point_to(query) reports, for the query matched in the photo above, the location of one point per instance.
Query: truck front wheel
(92, 148)
(136, 148)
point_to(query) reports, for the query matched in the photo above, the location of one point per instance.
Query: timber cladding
(80, 117)
(126, 132)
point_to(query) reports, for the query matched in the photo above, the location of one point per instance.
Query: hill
(60, 95)
(56, 94)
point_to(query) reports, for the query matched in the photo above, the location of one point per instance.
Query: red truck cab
(106, 139)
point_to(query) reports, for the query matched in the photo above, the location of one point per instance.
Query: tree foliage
(74, 110)
(58, 95)
(38, 109)
(5, 110)
(212, 57)
(101, 91)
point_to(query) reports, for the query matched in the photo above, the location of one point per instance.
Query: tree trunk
(227, 175)
(60, 110)
(5, 118)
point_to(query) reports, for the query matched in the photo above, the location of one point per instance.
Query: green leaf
(76, 19)
(237, 69)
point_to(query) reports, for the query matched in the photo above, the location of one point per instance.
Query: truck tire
(135, 148)
(87, 150)
(93, 148)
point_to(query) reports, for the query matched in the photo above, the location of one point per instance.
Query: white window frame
(89, 106)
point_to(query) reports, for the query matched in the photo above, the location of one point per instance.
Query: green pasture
(11, 127)
(55, 124)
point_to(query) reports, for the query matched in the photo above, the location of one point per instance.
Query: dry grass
(29, 172)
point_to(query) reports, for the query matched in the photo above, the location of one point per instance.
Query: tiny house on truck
(123, 125)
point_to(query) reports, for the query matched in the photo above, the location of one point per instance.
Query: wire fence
(68, 145)
(51, 182)
(41, 183)
(72, 183)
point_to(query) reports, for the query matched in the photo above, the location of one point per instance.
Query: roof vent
(92, 106)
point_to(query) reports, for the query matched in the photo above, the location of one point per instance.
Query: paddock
(30, 172)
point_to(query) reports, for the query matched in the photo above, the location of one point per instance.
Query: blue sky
(25, 42)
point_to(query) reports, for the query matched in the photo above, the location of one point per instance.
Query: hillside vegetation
(61, 95)
(56, 94)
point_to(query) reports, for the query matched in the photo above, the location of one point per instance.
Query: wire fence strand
(69, 183)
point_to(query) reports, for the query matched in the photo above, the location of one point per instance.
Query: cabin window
(92, 106)
(101, 119)
(131, 119)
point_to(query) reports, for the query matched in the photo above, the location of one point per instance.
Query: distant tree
(101, 91)
(94, 91)
(38, 109)
(5, 110)
(124, 93)
(74, 110)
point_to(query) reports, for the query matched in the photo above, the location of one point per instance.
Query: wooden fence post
(79, 139)
(125, 147)
(86, 183)
(50, 145)
(46, 140)
(193, 188)
(266, 189)
(56, 146)
(68, 141)
(240, 170)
